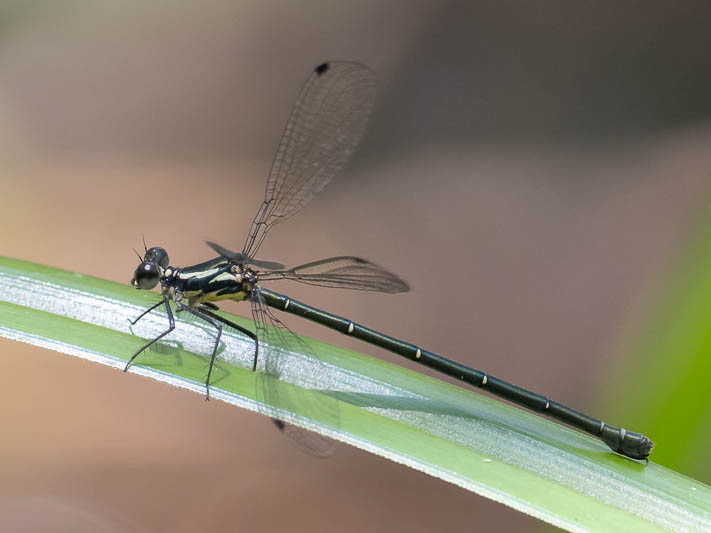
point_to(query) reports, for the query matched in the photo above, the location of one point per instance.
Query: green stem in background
(671, 364)
(504, 453)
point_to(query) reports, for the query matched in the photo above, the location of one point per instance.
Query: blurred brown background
(532, 169)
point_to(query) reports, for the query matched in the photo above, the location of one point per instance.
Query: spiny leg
(171, 327)
(231, 324)
(258, 306)
(202, 316)
(151, 308)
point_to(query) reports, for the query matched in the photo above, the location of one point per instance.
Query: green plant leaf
(503, 453)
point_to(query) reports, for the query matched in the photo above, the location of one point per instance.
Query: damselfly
(325, 126)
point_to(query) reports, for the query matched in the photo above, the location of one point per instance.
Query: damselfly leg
(206, 314)
(171, 327)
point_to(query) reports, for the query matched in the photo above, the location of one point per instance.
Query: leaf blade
(500, 452)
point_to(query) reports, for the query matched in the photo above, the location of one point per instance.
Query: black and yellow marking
(211, 281)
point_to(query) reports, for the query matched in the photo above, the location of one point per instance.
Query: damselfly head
(158, 256)
(151, 269)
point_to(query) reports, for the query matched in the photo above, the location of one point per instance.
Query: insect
(326, 124)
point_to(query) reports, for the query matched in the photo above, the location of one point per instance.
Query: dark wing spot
(323, 67)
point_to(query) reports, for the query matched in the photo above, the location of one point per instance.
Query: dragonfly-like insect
(325, 126)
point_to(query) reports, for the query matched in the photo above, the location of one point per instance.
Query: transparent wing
(345, 272)
(307, 441)
(284, 359)
(326, 124)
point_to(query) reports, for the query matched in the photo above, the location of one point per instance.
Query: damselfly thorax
(214, 281)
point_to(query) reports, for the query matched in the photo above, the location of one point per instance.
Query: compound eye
(146, 276)
(158, 256)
